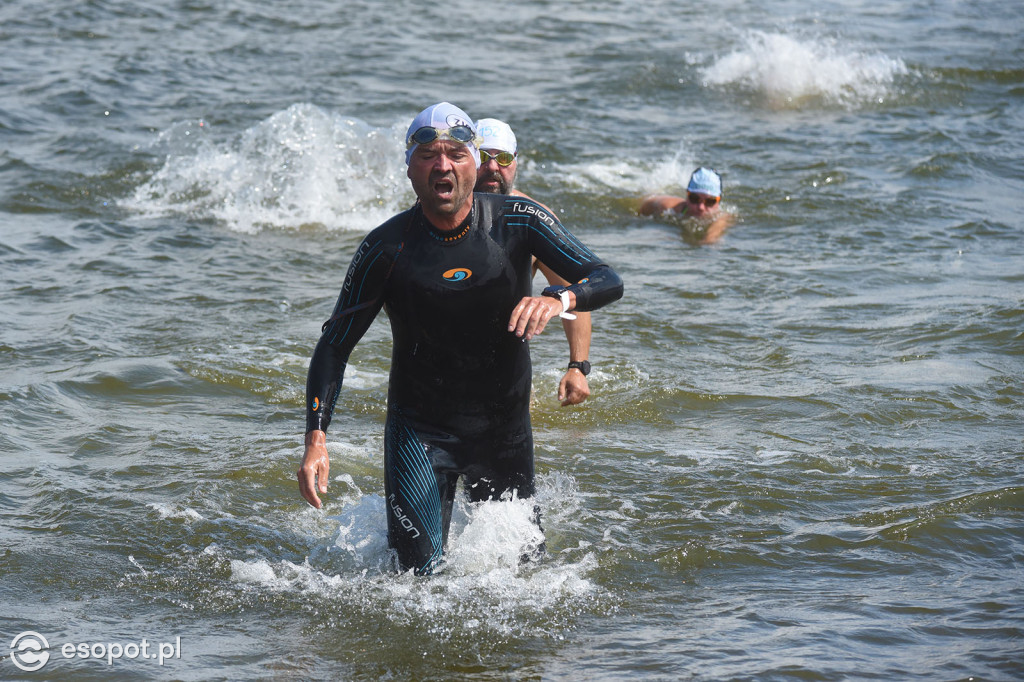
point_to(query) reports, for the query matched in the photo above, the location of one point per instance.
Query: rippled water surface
(803, 456)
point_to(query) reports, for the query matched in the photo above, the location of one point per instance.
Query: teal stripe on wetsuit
(510, 205)
(417, 495)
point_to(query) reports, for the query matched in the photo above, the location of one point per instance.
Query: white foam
(627, 177)
(481, 585)
(360, 542)
(361, 379)
(491, 536)
(301, 166)
(788, 71)
(171, 511)
(257, 572)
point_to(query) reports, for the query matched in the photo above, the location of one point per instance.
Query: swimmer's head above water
(498, 149)
(442, 121)
(443, 154)
(703, 193)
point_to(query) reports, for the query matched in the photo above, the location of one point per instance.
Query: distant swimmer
(454, 275)
(499, 152)
(703, 203)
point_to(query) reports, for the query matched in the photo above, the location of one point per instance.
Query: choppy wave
(791, 72)
(301, 166)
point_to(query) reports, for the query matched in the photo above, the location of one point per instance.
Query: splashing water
(789, 72)
(301, 166)
(482, 585)
(630, 178)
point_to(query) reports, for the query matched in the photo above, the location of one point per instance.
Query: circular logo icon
(29, 651)
(457, 274)
(455, 120)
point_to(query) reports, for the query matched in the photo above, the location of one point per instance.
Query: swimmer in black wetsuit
(453, 274)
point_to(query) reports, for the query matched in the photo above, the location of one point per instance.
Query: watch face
(554, 291)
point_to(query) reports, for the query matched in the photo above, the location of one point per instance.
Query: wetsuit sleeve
(594, 283)
(361, 298)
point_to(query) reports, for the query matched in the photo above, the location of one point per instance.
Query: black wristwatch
(559, 292)
(583, 366)
(554, 291)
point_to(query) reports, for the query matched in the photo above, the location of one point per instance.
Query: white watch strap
(564, 297)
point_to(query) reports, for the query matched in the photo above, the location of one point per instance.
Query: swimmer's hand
(532, 314)
(574, 388)
(316, 464)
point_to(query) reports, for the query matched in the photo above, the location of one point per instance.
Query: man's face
(442, 174)
(701, 205)
(494, 178)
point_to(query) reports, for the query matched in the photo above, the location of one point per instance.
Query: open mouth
(444, 188)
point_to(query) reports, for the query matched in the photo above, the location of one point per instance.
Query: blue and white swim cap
(705, 181)
(442, 116)
(496, 135)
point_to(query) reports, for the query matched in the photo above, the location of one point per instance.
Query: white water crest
(482, 584)
(669, 172)
(790, 71)
(301, 166)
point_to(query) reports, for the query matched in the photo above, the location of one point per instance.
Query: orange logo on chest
(457, 274)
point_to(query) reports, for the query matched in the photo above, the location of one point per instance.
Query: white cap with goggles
(442, 120)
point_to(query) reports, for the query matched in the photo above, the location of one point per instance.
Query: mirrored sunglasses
(709, 202)
(504, 159)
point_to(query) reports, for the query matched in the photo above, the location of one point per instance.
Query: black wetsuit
(458, 397)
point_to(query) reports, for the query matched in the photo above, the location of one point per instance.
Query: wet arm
(574, 387)
(595, 284)
(360, 300)
(660, 203)
(717, 228)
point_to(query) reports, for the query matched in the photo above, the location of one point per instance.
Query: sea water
(802, 457)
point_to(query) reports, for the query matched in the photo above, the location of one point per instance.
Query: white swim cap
(442, 116)
(497, 135)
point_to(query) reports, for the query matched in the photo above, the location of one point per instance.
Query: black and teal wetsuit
(458, 396)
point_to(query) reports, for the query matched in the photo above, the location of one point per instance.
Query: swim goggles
(504, 159)
(709, 202)
(428, 134)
